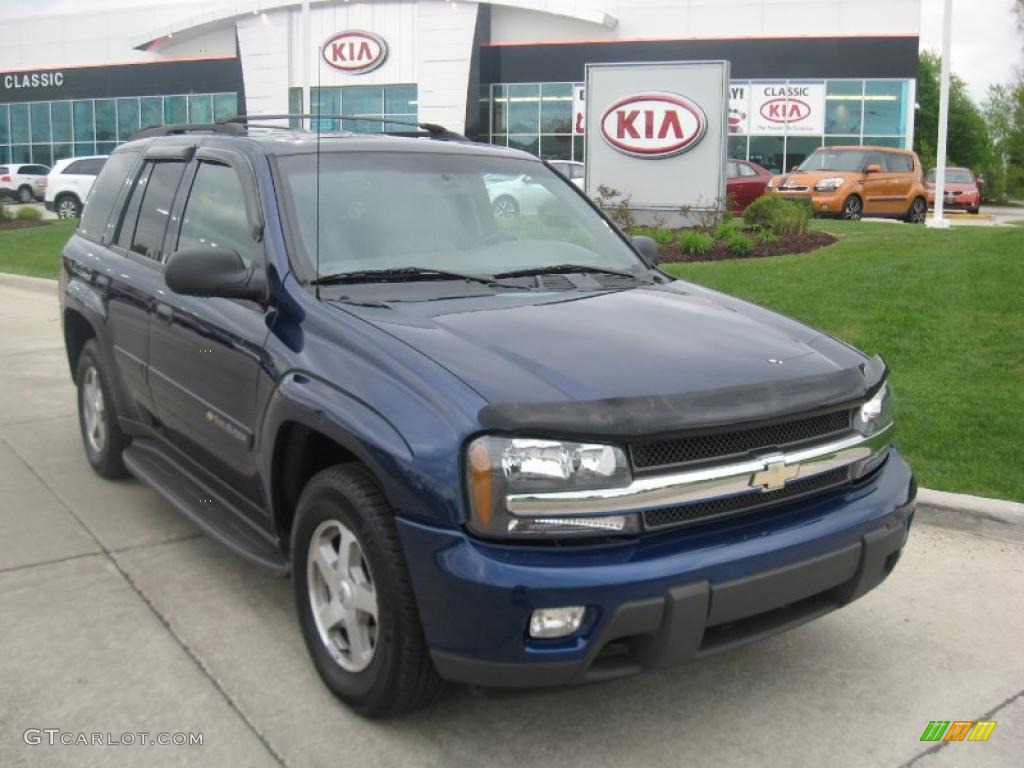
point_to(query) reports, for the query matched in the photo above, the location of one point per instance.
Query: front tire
(68, 207)
(917, 212)
(505, 207)
(355, 602)
(101, 435)
(853, 208)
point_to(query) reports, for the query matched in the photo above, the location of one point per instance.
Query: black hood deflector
(635, 417)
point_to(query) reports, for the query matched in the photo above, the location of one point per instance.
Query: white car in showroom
(514, 195)
(69, 183)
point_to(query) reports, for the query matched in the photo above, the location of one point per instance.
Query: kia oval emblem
(355, 52)
(654, 124)
(785, 110)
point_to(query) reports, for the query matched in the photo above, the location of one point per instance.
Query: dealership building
(79, 78)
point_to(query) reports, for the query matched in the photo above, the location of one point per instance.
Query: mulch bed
(23, 223)
(805, 243)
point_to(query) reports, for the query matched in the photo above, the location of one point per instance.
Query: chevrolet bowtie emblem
(774, 476)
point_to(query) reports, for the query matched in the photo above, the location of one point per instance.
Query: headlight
(498, 466)
(876, 414)
(829, 185)
(772, 182)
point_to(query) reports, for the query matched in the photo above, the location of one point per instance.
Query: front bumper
(657, 600)
(822, 203)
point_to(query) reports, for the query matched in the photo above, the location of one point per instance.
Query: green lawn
(946, 310)
(34, 251)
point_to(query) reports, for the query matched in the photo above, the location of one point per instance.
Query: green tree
(968, 142)
(1004, 111)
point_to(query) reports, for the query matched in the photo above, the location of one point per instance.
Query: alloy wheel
(342, 596)
(94, 410)
(852, 209)
(67, 209)
(506, 207)
(918, 211)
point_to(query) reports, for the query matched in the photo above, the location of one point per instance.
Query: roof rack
(182, 128)
(428, 130)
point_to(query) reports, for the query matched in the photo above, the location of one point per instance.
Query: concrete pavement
(117, 617)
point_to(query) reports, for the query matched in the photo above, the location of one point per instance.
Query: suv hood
(647, 342)
(810, 178)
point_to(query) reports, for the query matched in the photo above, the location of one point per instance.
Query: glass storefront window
(60, 120)
(527, 143)
(399, 99)
(499, 99)
(556, 147)
(843, 106)
(106, 119)
(294, 106)
(768, 151)
(175, 110)
(884, 107)
(397, 102)
(41, 154)
(200, 108)
(883, 141)
(556, 108)
(523, 108)
(5, 134)
(738, 147)
(20, 153)
(39, 113)
(798, 148)
(127, 118)
(61, 151)
(225, 105)
(85, 127)
(83, 148)
(19, 124)
(151, 111)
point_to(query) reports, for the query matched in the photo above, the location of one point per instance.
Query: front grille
(702, 511)
(722, 445)
(788, 188)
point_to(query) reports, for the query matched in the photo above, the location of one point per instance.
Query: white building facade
(805, 73)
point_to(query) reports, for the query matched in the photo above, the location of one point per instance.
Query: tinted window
(215, 213)
(3, 169)
(88, 167)
(35, 170)
(899, 162)
(732, 170)
(104, 193)
(575, 171)
(746, 170)
(155, 192)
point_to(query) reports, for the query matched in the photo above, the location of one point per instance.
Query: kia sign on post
(656, 132)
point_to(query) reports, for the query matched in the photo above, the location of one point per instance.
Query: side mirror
(214, 272)
(873, 168)
(647, 247)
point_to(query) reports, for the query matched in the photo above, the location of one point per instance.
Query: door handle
(164, 313)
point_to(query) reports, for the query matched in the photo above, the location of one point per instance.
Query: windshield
(850, 160)
(953, 176)
(452, 212)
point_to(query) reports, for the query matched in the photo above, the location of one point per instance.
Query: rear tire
(25, 194)
(918, 211)
(505, 207)
(853, 208)
(355, 601)
(101, 435)
(67, 207)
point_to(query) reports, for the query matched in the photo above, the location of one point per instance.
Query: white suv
(69, 183)
(23, 182)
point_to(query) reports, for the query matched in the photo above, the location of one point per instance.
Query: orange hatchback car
(851, 182)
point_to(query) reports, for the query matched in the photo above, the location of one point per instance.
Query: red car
(961, 190)
(745, 183)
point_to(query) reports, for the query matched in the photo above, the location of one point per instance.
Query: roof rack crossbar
(433, 130)
(178, 129)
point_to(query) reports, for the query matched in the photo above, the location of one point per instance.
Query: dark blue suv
(488, 438)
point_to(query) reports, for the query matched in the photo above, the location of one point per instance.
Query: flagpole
(938, 220)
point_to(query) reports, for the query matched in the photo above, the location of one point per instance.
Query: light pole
(938, 220)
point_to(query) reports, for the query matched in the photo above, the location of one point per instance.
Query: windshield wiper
(561, 269)
(399, 273)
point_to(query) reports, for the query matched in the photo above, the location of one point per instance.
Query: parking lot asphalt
(117, 616)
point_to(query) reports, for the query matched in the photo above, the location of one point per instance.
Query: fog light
(556, 622)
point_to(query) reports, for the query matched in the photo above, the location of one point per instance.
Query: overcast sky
(988, 47)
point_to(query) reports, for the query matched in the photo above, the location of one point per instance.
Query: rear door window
(145, 222)
(88, 167)
(98, 206)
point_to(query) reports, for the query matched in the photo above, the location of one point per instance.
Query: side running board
(207, 510)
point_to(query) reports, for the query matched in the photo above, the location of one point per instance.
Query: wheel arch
(77, 331)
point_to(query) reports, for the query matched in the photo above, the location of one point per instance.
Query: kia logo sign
(785, 110)
(355, 52)
(653, 125)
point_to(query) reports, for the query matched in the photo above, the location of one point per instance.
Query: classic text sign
(355, 52)
(794, 108)
(657, 134)
(654, 125)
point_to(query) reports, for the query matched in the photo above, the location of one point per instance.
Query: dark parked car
(745, 182)
(507, 452)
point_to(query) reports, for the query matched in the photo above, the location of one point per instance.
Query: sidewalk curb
(37, 284)
(973, 514)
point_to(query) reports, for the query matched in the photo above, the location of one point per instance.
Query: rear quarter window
(899, 163)
(87, 167)
(105, 192)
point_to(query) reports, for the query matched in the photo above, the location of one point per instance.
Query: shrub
(697, 243)
(739, 243)
(783, 217)
(616, 205)
(28, 213)
(728, 228)
(767, 236)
